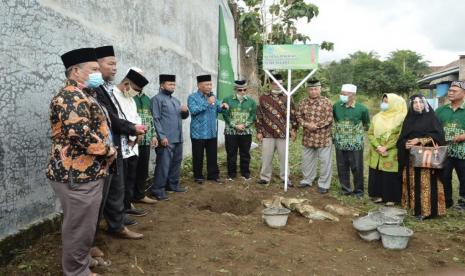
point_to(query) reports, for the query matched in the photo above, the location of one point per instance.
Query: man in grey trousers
(80, 156)
(315, 115)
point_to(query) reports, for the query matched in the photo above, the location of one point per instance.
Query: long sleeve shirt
(144, 109)
(350, 123)
(320, 112)
(272, 116)
(453, 122)
(204, 116)
(388, 163)
(80, 136)
(167, 117)
(129, 109)
(239, 113)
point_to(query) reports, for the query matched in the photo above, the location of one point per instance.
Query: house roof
(447, 70)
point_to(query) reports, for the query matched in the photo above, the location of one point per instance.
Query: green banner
(225, 69)
(301, 56)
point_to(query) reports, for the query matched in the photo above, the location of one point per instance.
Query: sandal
(96, 252)
(99, 262)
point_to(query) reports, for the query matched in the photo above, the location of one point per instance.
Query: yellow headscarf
(387, 120)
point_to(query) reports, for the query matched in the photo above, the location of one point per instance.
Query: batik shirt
(144, 109)
(271, 116)
(350, 123)
(453, 122)
(239, 113)
(80, 136)
(320, 112)
(203, 116)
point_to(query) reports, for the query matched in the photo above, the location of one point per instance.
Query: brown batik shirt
(80, 136)
(271, 116)
(320, 112)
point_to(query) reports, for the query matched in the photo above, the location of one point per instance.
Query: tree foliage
(397, 74)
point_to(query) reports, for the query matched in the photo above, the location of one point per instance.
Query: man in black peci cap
(168, 113)
(113, 209)
(80, 156)
(131, 85)
(204, 108)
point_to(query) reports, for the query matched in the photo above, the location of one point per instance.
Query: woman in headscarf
(384, 183)
(422, 188)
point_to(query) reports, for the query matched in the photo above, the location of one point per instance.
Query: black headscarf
(419, 125)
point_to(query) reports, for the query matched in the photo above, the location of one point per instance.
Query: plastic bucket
(275, 217)
(394, 236)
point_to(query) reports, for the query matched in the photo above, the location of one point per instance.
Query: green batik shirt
(454, 124)
(144, 108)
(239, 113)
(350, 123)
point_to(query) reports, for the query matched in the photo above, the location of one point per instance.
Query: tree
(397, 74)
(275, 25)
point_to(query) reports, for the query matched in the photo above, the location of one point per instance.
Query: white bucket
(394, 236)
(275, 217)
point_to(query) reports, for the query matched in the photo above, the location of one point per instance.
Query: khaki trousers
(310, 157)
(269, 146)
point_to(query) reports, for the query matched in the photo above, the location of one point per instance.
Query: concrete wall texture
(160, 36)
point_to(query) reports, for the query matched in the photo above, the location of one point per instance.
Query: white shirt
(129, 108)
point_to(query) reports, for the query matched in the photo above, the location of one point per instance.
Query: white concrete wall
(159, 36)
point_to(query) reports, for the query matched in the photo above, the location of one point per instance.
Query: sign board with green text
(284, 57)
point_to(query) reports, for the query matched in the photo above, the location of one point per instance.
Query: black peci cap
(78, 56)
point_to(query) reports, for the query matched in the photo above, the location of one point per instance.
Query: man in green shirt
(351, 119)
(452, 118)
(148, 140)
(239, 119)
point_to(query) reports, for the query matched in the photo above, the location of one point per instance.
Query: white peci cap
(349, 88)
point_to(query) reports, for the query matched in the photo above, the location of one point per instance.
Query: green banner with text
(283, 57)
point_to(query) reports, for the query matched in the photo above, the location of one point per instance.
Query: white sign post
(288, 59)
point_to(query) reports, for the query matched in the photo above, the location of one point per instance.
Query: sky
(432, 28)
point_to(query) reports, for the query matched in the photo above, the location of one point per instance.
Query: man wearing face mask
(315, 115)
(113, 204)
(131, 85)
(271, 129)
(204, 108)
(239, 119)
(168, 113)
(80, 156)
(351, 120)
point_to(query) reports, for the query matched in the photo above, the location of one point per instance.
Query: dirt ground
(217, 230)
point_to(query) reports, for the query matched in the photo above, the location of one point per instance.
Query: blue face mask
(384, 106)
(344, 98)
(94, 81)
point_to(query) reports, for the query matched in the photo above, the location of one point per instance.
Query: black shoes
(136, 212)
(199, 181)
(177, 190)
(322, 190)
(262, 182)
(129, 221)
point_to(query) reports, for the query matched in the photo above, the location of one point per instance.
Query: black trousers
(142, 172)
(130, 171)
(114, 205)
(459, 166)
(233, 144)
(210, 146)
(350, 161)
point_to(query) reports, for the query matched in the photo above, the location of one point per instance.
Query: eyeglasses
(241, 89)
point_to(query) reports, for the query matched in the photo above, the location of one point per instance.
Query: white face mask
(384, 106)
(276, 91)
(130, 92)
